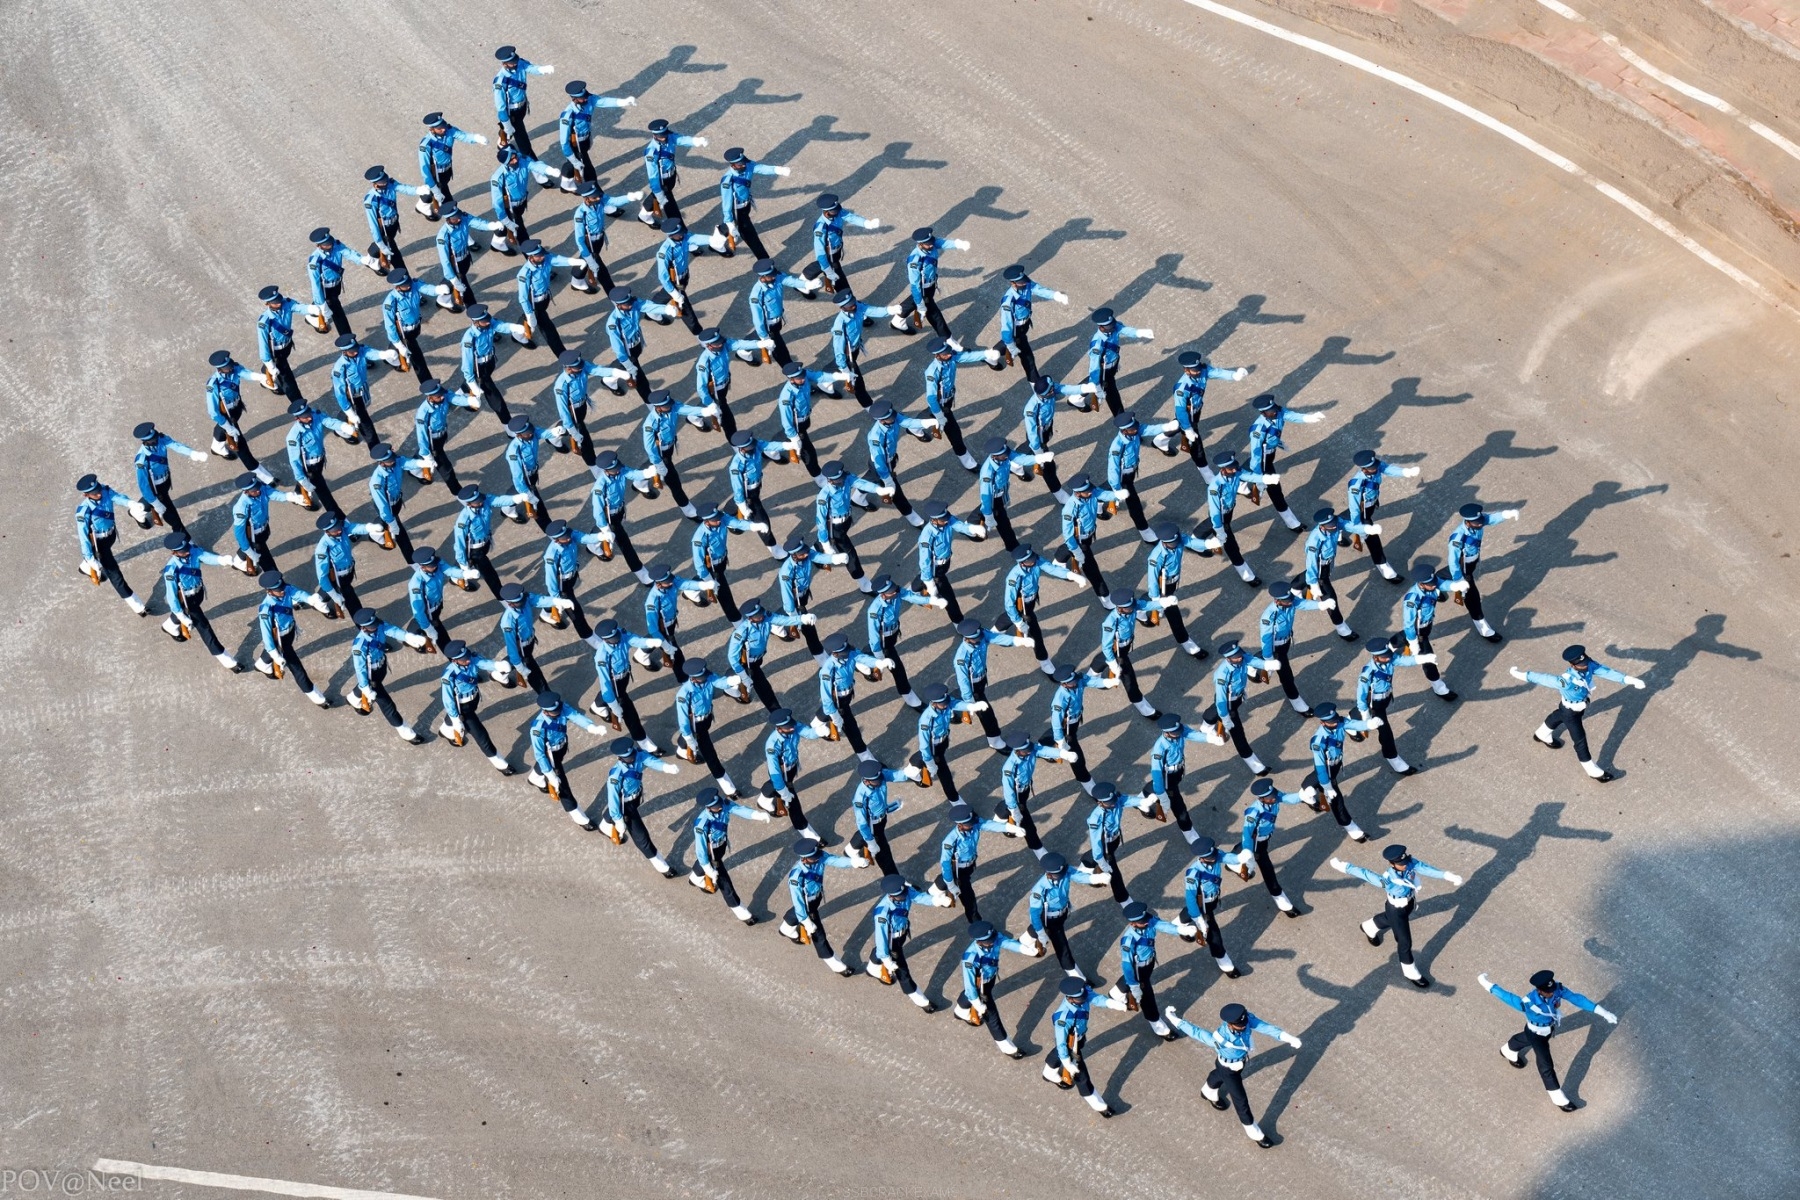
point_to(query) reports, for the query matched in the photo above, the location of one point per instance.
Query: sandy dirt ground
(243, 935)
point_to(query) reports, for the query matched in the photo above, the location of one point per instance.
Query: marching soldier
(958, 854)
(1418, 613)
(828, 242)
(837, 689)
(474, 536)
(711, 552)
(1221, 502)
(562, 574)
(589, 220)
(892, 921)
(736, 200)
(387, 489)
(936, 716)
(425, 597)
(1190, 403)
(625, 334)
(980, 969)
(368, 660)
(1067, 707)
(870, 806)
(614, 653)
(1375, 691)
(334, 560)
(1105, 835)
(1162, 575)
(883, 441)
(744, 472)
(1205, 883)
(225, 405)
(749, 643)
(454, 239)
(1017, 771)
(460, 691)
(622, 797)
(306, 454)
(511, 103)
(1400, 882)
(768, 313)
(1314, 583)
(1260, 816)
(794, 580)
(712, 842)
(431, 430)
(1103, 364)
(1137, 963)
(154, 481)
(674, 259)
(883, 627)
(1542, 1007)
(523, 462)
(806, 888)
(1327, 746)
(1019, 598)
(575, 131)
(1123, 457)
(838, 490)
(478, 359)
(1575, 686)
(694, 717)
(1230, 679)
(249, 525)
(1364, 490)
(1064, 1065)
(1168, 764)
(1276, 629)
(662, 616)
(661, 428)
(940, 376)
(381, 205)
(275, 622)
(660, 175)
(184, 590)
(275, 339)
(994, 489)
(1039, 419)
(325, 272)
(549, 744)
(847, 340)
(1265, 440)
(1015, 318)
(781, 754)
(437, 163)
(1230, 1042)
(969, 665)
(1049, 906)
(609, 497)
(1117, 630)
(1464, 561)
(1080, 512)
(509, 192)
(519, 611)
(534, 277)
(920, 305)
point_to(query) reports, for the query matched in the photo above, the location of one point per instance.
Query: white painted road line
(1687, 89)
(243, 1183)
(1634, 207)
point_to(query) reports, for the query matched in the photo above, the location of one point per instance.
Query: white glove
(1509, 514)
(1291, 1040)
(1067, 756)
(782, 171)
(1453, 879)
(886, 664)
(478, 139)
(858, 863)
(546, 69)
(1107, 682)
(562, 605)
(1374, 722)
(759, 527)
(1310, 792)
(1517, 674)
(138, 512)
(808, 619)
(651, 644)
(1605, 1014)
(1374, 529)
(956, 243)
(1409, 472)
(1060, 297)
(1240, 372)
(1311, 418)
(1338, 864)
(893, 310)
(1634, 681)
(416, 641)
(1146, 335)
(197, 455)
(1425, 658)
(657, 764)
(885, 489)
(978, 532)
(699, 141)
(736, 681)
(871, 223)
(757, 814)
(628, 102)
(819, 727)
(1487, 985)
(319, 604)
(1048, 456)
(1328, 603)
(977, 706)
(938, 602)
(91, 567)
(1024, 643)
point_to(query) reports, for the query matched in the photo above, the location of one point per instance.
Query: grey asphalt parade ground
(242, 935)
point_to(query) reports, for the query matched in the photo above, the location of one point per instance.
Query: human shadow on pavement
(1664, 666)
